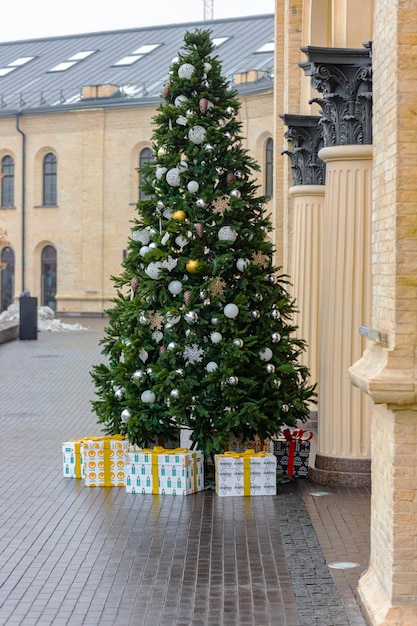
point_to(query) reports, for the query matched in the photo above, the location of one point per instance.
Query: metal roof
(28, 85)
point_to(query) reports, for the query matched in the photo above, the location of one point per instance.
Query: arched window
(7, 277)
(49, 180)
(7, 182)
(269, 168)
(49, 277)
(145, 156)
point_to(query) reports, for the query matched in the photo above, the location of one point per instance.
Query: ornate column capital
(344, 77)
(306, 135)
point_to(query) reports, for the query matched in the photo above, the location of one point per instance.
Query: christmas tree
(200, 334)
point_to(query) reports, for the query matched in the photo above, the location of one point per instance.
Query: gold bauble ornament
(192, 266)
(179, 215)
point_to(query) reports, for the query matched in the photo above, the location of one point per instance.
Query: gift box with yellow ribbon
(247, 473)
(104, 461)
(73, 459)
(163, 471)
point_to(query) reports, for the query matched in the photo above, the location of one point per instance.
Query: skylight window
(267, 47)
(79, 56)
(6, 70)
(147, 48)
(129, 60)
(137, 54)
(72, 60)
(20, 61)
(217, 41)
(62, 67)
(14, 65)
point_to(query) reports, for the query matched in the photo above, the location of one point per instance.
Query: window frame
(7, 182)
(49, 180)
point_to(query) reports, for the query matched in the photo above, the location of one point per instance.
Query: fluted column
(343, 455)
(306, 269)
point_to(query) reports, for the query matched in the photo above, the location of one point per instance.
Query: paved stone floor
(82, 556)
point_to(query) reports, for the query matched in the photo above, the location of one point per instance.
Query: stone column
(343, 455)
(306, 138)
(306, 270)
(343, 76)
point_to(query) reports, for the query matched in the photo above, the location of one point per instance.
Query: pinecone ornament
(166, 90)
(187, 297)
(230, 178)
(134, 283)
(203, 104)
(199, 229)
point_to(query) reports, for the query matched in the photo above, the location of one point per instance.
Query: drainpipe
(23, 197)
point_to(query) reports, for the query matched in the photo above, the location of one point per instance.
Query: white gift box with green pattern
(166, 472)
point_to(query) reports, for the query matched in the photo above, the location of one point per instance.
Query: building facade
(70, 152)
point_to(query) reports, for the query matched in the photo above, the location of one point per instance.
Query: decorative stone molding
(306, 135)
(344, 77)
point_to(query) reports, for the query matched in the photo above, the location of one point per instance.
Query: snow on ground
(46, 319)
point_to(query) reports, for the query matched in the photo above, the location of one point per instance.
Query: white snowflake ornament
(193, 354)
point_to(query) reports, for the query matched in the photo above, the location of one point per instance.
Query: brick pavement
(79, 556)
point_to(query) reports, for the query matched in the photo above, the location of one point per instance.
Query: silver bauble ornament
(270, 368)
(180, 371)
(238, 343)
(285, 408)
(197, 134)
(275, 337)
(255, 314)
(191, 317)
(266, 354)
(193, 186)
(208, 147)
(211, 366)
(173, 177)
(148, 396)
(201, 203)
(231, 310)
(275, 314)
(277, 383)
(186, 70)
(175, 287)
(180, 100)
(214, 320)
(175, 393)
(171, 346)
(125, 415)
(138, 375)
(119, 393)
(226, 233)
(242, 264)
(232, 380)
(216, 337)
(235, 193)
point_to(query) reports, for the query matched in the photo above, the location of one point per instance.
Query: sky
(31, 19)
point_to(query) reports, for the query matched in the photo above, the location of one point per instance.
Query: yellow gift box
(104, 461)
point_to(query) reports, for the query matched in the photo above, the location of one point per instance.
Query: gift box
(166, 472)
(246, 473)
(104, 461)
(237, 444)
(292, 451)
(72, 453)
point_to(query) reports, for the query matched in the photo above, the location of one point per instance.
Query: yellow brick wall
(97, 154)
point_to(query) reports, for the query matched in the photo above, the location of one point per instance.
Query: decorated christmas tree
(200, 334)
